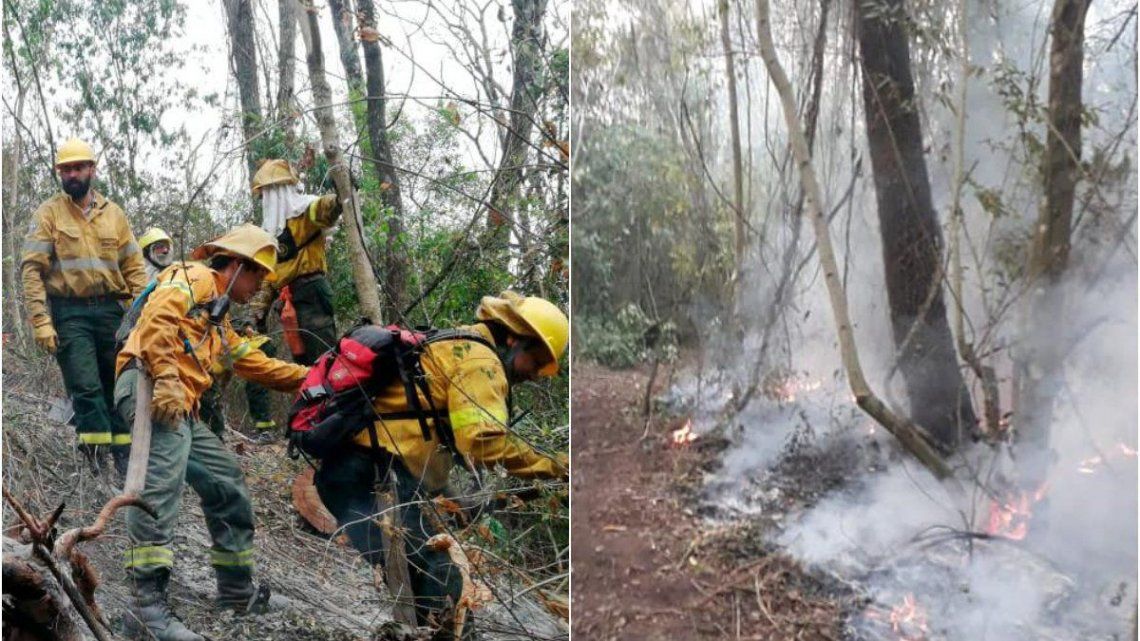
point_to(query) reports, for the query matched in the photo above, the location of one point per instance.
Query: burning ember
(1127, 451)
(1009, 517)
(909, 620)
(1094, 463)
(685, 435)
(1089, 465)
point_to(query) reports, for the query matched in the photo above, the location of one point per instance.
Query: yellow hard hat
(152, 236)
(274, 172)
(530, 316)
(74, 150)
(244, 241)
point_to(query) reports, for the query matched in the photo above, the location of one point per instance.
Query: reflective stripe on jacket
(67, 255)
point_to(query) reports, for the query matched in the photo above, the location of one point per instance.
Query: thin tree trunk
(908, 224)
(737, 162)
(1042, 359)
(526, 44)
(362, 275)
(788, 260)
(243, 58)
(908, 434)
(395, 260)
(343, 26)
(11, 170)
(286, 66)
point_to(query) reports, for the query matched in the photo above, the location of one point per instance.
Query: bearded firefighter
(300, 223)
(182, 332)
(467, 383)
(80, 263)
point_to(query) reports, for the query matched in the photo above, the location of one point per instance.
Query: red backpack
(335, 400)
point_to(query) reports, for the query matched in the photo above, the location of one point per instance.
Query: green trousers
(346, 483)
(86, 357)
(312, 297)
(186, 453)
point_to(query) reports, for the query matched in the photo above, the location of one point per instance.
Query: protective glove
(168, 403)
(45, 335)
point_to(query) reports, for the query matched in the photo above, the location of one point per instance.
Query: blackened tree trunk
(1042, 355)
(286, 65)
(243, 58)
(912, 240)
(395, 263)
(526, 44)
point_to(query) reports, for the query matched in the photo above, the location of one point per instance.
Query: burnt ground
(332, 589)
(646, 565)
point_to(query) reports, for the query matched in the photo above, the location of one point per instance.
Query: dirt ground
(645, 566)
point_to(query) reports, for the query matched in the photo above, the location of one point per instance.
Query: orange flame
(1009, 517)
(909, 620)
(685, 435)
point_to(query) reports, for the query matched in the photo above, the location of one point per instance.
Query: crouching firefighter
(182, 330)
(431, 400)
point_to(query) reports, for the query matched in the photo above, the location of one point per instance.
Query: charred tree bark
(286, 65)
(35, 605)
(362, 275)
(1042, 359)
(395, 261)
(908, 224)
(243, 58)
(737, 162)
(526, 44)
(908, 434)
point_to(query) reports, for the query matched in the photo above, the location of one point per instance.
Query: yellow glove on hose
(168, 404)
(45, 334)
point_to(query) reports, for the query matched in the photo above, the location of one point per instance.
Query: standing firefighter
(182, 332)
(157, 250)
(299, 222)
(459, 414)
(80, 263)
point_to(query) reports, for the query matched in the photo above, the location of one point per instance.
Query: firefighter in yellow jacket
(181, 333)
(300, 223)
(80, 262)
(468, 382)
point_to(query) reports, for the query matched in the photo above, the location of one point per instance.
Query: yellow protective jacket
(306, 228)
(67, 255)
(469, 386)
(174, 314)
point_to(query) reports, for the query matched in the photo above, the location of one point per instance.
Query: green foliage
(626, 338)
(640, 233)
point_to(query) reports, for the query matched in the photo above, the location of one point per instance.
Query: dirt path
(645, 567)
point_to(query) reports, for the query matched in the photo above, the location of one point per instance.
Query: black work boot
(148, 613)
(238, 592)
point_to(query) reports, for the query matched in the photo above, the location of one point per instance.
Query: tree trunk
(737, 163)
(11, 165)
(35, 604)
(1042, 357)
(395, 261)
(342, 21)
(908, 224)
(286, 65)
(526, 44)
(362, 275)
(243, 58)
(906, 432)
